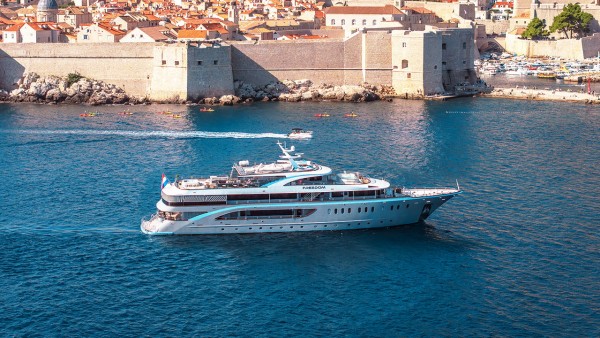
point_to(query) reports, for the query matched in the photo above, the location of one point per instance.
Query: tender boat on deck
(290, 194)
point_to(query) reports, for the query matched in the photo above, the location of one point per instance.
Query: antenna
(457, 186)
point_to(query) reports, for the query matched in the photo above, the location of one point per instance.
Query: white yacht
(291, 194)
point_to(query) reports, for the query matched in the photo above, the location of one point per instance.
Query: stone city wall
(362, 57)
(129, 66)
(577, 49)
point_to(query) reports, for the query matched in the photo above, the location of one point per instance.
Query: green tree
(572, 19)
(535, 30)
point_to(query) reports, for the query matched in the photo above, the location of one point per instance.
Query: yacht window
(372, 209)
(329, 211)
(349, 210)
(335, 211)
(391, 207)
(342, 210)
(359, 210)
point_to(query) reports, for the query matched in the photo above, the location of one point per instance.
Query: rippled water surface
(518, 254)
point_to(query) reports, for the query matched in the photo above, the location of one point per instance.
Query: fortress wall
(497, 27)
(169, 73)
(417, 62)
(565, 48)
(379, 58)
(259, 64)
(209, 72)
(332, 61)
(129, 66)
(458, 57)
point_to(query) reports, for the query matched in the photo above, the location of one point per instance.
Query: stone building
(47, 11)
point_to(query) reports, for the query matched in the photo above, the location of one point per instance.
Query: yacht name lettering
(314, 187)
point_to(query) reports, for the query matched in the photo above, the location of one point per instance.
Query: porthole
(408, 205)
(349, 210)
(335, 211)
(249, 228)
(342, 210)
(302, 227)
(291, 227)
(222, 229)
(329, 211)
(372, 209)
(359, 210)
(391, 207)
(280, 227)
(260, 228)
(326, 225)
(271, 228)
(235, 228)
(398, 207)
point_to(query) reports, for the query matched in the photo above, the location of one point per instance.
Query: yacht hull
(324, 215)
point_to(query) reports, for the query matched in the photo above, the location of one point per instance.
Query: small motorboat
(176, 116)
(322, 115)
(351, 115)
(206, 109)
(125, 112)
(165, 112)
(300, 134)
(88, 114)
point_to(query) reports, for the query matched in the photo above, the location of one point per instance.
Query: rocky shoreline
(75, 89)
(544, 95)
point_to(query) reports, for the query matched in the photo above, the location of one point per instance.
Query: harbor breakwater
(544, 95)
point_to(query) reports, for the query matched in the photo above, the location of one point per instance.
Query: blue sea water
(518, 254)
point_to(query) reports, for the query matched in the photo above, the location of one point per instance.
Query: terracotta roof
(387, 9)
(420, 10)
(191, 34)
(14, 28)
(157, 33)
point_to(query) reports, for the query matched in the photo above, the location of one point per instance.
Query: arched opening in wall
(404, 64)
(333, 22)
(364, 22)
(343, 22)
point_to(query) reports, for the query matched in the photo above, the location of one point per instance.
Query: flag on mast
(163, 182)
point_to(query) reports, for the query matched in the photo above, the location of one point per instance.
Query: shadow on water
(418, 235)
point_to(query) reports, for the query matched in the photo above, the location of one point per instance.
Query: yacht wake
(148, 134)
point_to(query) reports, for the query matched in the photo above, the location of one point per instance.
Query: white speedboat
(300, 134)
(291, 194)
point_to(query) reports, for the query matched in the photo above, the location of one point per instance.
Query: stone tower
(46, 11)
(233, 13)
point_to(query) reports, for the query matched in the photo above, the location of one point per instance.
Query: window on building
(464, 45)
(176, 63)
(464, 62)
(85, 36)
(408, 76)
(364, 22)
(333, 22)
(215, 62)
(141, 36)
(404, 44)
(199, 62)
(443, 46)
(443, 63)
(404, 64)
(435, 67)
(164, 62)
(353, 22)
(343, 22)
(374, 22)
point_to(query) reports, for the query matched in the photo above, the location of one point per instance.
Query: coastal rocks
(306, 90)
(73, 89)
